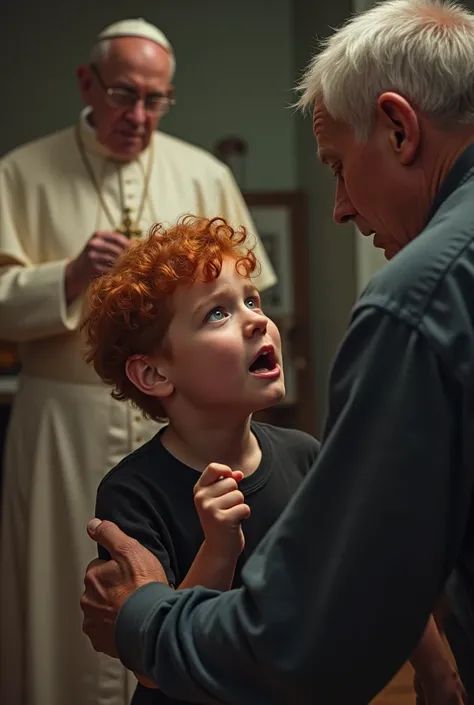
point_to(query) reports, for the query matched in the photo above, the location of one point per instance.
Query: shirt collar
(462, 169)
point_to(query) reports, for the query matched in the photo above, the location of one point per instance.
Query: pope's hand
(97, 257)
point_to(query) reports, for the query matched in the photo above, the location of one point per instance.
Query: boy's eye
(217, 314)
(252, 302)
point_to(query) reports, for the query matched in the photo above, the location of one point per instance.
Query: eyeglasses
(122, 97)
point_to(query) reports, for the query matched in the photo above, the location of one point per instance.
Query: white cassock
(66, 431)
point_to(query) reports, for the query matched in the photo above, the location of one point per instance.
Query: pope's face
(139, 70)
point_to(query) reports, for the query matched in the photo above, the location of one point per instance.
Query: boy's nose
(256, 323)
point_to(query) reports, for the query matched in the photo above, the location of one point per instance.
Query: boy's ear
(149, 376)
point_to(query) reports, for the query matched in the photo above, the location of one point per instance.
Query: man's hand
(109, 583)
(97, 257)
(444, 689)
(221, 508)
(146, 681)
(436, 681)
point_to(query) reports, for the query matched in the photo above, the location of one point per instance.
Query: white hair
(421, 49)
(101, 50)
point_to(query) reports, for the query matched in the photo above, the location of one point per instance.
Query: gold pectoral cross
(128, 228)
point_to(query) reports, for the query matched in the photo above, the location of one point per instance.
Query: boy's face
(217, 333)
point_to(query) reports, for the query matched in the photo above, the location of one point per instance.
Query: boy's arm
(436, 681)
(210, 570)
(122, 500)
(221, 509)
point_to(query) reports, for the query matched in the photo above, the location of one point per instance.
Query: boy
(177, 328)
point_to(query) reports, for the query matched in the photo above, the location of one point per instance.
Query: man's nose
(344, 211)
(137, 114)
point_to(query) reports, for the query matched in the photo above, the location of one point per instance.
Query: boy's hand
(221, 508)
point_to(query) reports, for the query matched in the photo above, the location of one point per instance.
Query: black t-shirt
(149, 495)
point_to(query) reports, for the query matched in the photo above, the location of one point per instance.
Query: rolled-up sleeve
(338, 592)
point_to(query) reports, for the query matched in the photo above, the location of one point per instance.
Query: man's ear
(84, 79)
(400, 119)
(149, 376)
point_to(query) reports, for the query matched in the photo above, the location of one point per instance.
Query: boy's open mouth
(265, 360)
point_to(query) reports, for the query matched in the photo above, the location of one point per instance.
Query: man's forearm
(137, 633)
(184, 636)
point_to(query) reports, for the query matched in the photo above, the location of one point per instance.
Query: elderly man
(337, 595)
(69, 205)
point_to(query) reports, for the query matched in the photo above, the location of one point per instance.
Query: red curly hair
(129, 309)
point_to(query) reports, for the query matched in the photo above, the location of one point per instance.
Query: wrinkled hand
(99, 254)
(221, 508)
(109, 583)
(447, 689)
